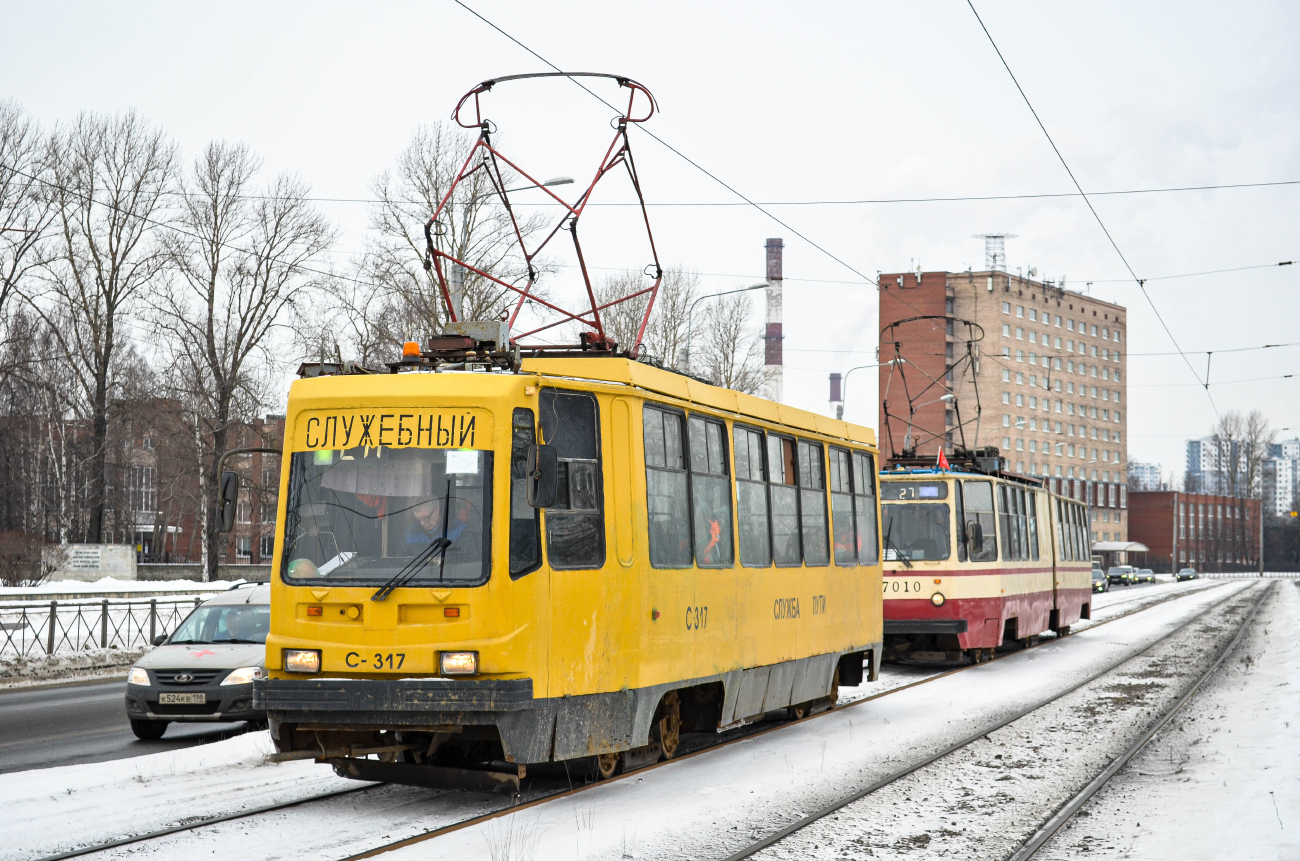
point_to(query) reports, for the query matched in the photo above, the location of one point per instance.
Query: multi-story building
(1280, 477)
(1143, 476)
(1208, 532)
(1046, 383)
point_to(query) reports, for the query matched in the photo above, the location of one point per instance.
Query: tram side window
(784, 495)
(812, 504)
(1071, 534)
(575, 525)
(525, 532)
(667, 502)
(1061, 531)
(1031, 507)
(1013, 546)
(1081, 531)
(711, 494)
(977, 497)
(751, 499)
(846, 551)
(959, 505)
(864, 499)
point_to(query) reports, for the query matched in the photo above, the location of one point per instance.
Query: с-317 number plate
(182, 699)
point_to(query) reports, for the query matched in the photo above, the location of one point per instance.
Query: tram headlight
(138, 676)
(302, 660)
(937, 599)
(458, 663)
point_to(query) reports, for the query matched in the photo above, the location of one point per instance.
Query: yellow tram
(579, 559)
(976, 557)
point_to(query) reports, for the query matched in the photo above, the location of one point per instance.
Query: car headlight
(458, 663)
(138, 676)
(937, 599)
(242, 676)
(302, 660)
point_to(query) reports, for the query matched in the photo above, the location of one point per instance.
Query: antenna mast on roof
(995, 250)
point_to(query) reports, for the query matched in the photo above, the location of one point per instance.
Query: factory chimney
(772, 375)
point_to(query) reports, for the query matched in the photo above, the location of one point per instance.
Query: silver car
(205, 670)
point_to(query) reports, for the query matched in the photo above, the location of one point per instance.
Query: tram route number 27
(903, 586)
(381, 660)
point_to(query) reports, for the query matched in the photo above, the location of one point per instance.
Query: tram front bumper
(370, 706)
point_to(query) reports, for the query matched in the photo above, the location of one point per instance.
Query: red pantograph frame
(618, 152)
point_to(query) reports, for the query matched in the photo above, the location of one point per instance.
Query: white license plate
(182, 699)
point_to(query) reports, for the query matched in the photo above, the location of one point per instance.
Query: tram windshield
(915, 531)
(368, 516)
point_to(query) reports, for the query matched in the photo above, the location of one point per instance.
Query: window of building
(1006, 443)
(1006, 307)
(1020, 334)
(1006, 375)
(710, 493)
(1105, 334)
(266, 547)
(575, 525)
(1020, 355)
(667, 501)
(1006, 397)
(270, 477)
(1020, 379)
(1006, 420)
(1020, 400)
(268, 513)
(812, 504)
(1006, 330)
(1058, 321)
(1094, 331)
(1069, 326)
(244, 547)
(1020, 444)
(1115, 336)
(1033, 339)
(1020, 310)
(1033, 401)
(1006, 352)
(1033, 315)
(244, 510)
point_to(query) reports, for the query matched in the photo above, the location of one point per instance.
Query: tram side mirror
(543, 466)
(229, 501)
(975, 533)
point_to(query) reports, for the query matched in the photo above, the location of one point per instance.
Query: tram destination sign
(393, 428)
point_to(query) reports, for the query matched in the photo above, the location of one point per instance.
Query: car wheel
(148, 730)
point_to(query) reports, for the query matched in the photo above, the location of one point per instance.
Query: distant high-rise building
(1143, 476)
(1050, 380)
(1280, 477)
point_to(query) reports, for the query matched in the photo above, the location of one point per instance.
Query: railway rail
(750, 732)
(1045, 832)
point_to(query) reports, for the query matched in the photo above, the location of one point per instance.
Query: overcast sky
(794, 102)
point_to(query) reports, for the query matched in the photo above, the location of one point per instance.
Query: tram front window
(368, 516)
(915, 531)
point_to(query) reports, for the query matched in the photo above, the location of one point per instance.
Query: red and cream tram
(973, 560)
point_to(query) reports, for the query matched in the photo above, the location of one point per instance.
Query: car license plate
(182, 699)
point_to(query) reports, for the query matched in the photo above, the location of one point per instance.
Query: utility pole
(772, 371)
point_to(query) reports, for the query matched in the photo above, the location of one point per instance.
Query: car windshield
(914, 531)
(364, 516)
(224, 623)
(1098, 574)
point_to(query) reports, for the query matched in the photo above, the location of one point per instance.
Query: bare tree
(473, 228)
(665, 334)
(108, 177)
(239, 261)
(1227, 436)
(25, 210)
(1257, 438)
(730, 348)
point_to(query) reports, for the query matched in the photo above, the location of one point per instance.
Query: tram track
(1049, 828)
(746, 734)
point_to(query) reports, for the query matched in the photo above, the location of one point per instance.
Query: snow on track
(1223, 779)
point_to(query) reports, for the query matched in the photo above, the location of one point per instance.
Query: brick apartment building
(1203, 531)
(1050, 380)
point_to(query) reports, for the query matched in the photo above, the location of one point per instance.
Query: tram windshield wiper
(412, 568)
(898, 553)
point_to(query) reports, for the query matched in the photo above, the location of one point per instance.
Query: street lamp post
(844, 382)
(684, 362)
(456, 272)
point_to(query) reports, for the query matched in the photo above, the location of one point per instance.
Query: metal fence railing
(57, 627)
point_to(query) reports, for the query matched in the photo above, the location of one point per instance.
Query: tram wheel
(668, 729)
(798, 712)
(608, 765)
(976, 655)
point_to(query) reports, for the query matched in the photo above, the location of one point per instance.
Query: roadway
(67, 725)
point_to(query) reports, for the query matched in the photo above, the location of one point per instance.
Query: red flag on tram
(942, 462)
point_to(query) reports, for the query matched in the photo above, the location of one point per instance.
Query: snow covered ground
(1222, 780)
(703, 806)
